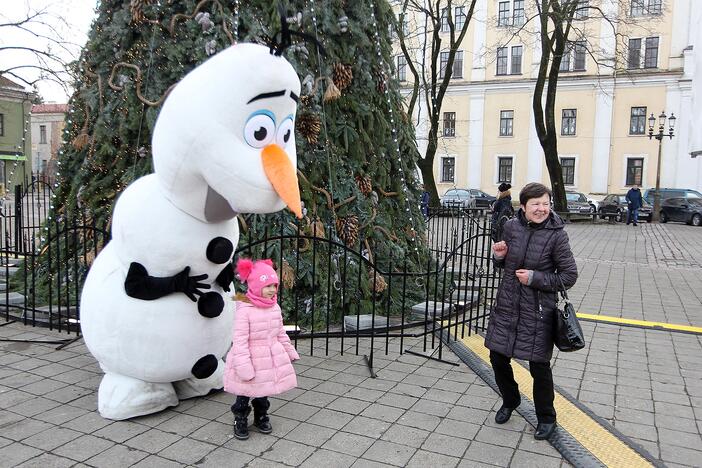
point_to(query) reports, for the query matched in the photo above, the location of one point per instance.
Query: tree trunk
(426, 165)
(555, 174)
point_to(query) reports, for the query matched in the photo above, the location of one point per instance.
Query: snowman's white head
(224, 142)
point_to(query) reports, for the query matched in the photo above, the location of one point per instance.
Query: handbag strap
(562, 289)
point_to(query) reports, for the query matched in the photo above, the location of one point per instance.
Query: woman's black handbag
(567, 334)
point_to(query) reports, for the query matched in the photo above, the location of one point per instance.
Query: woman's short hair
(533, 190)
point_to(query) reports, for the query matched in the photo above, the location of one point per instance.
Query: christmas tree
(356, 150)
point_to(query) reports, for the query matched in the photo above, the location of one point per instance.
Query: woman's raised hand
(499, 249)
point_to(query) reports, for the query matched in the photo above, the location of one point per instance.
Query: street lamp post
(655, 216)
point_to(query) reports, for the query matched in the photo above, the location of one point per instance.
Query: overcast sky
(71, 20)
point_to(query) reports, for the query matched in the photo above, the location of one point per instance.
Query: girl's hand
(523, 276)
(499, 249)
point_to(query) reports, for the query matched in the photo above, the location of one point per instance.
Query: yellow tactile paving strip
(600, 442)
(640, 323)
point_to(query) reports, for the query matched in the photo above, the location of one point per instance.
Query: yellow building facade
(640, 63)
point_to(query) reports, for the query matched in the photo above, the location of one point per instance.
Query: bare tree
(431, 76)
(32, 48)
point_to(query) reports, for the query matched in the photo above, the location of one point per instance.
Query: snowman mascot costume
(156, 311)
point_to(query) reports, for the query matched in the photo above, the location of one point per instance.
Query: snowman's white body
(223, 144)
(143, 214)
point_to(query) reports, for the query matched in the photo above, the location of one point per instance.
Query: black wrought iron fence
(352, 300)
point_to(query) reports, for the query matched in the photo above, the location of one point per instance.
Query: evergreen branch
(330, 202)
(387, 233)
(387, 194)
(138, 84)
(171, 27)
(372, 218)
(345, 202)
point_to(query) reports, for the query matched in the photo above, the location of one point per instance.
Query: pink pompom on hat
(257, 276)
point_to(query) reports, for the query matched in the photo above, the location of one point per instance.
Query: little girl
(259, 362)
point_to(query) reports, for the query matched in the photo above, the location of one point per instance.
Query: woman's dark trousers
(543, 386)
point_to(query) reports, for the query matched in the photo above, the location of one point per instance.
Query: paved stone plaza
(418, 412)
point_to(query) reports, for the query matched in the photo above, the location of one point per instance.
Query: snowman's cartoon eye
(285, 132)
(260, 129)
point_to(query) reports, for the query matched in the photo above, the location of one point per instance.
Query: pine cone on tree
(137, 9)
(309, 124)
(379, 285)
(287, 275)
(342, 76)
(347, 229)
(365, 185)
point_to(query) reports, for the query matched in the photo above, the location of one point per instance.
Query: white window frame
(445, 130)
(642, 53)
(456, 62)
(575, 133)
(646, 8)
(509, 49)
(499, 125)
(401, 68)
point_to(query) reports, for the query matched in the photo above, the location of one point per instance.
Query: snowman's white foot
(122, 397)
(194, 387)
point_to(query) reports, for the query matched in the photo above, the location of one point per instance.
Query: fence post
(18, 218)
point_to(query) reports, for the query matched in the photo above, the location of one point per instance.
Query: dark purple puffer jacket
(521, 322)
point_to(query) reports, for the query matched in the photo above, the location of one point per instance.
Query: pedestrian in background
(535, 256)
(425, 202)
(501, 211)
(635, 201)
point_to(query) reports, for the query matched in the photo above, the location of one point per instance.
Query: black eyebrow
(267, 95)
(294, 96)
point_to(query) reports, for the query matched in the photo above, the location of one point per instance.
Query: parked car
(482, 199)
(685, 210)
(671, 193)
(578, 203)
(614, 206)
(458, 198)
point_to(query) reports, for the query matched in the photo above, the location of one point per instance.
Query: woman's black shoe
(503, 415)
(544, 430)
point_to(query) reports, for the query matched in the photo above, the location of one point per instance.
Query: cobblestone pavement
(647, 383)
(418, 412)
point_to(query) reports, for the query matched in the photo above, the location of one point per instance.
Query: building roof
(7, 83)
(49, 108)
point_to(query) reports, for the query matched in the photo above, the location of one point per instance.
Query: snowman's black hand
(226, 276)
(189, 285)
(139, 285)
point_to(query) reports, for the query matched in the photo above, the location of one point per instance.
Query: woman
(501, 211)
(534, 253)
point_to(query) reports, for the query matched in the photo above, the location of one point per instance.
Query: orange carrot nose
(281, 173)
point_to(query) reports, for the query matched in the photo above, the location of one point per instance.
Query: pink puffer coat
(259, 363)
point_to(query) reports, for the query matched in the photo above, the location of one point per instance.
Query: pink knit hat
(257, 275)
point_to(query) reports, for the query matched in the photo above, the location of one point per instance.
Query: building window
(634, 171)
(504, 170)
(2, 124)
(448, 167)
(518, 13)
(504, 64)
(501, 61)
(568, 121)
(646, 7)
(580, 55)
(503, 14)
(449, 124)
(565, 58)
(459, 17)
(458, 65)
(457, 71)
(444, 20)
(582, 10)
(516, 68)
(637, 125)
(651, 57)
(42, 134)
(568, 169)
(401, 68)
(506, 122)
(634, 56)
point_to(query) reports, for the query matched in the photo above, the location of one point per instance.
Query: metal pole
(657, 196)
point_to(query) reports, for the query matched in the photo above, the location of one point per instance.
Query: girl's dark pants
(242, 402)
(543, 386)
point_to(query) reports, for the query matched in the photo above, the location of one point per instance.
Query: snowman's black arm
(140, 285)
